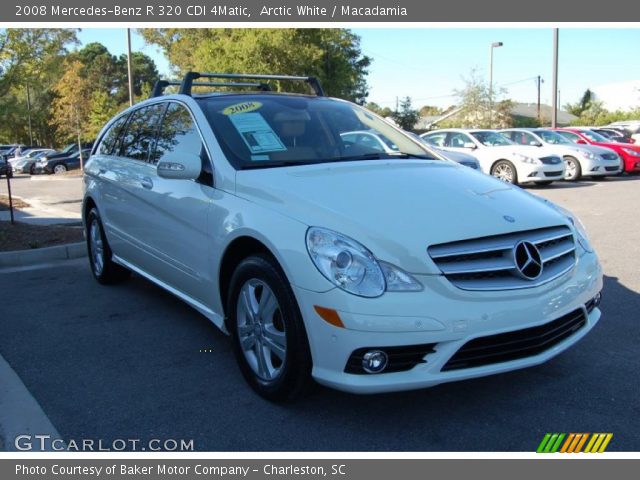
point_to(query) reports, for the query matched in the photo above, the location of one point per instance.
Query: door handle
(147, 183)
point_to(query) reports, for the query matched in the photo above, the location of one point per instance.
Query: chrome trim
(488, 263)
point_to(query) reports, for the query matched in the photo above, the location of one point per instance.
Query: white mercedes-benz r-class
(368, 270)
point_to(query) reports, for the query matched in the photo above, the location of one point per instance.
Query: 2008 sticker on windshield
(253, 128)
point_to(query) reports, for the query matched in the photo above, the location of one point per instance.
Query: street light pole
(129, 67)
(539, 82)
(493, 45)
(554, 114)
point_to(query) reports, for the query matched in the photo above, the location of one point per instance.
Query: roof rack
(187, 81)
(160, 85)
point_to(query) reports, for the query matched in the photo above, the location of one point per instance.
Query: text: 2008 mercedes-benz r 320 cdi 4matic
(366, 270)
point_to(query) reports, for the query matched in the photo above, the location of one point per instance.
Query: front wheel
(573, 170)
(60, 168)
(268, 334)
(505, 171)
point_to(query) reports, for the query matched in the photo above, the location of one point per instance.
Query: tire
(544, 182)
(505, 171)
(103, 268)
(32, 169)
(573, 169)
(268, 334)
(59, 168)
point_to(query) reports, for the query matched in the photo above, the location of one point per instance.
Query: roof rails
(188, 82)
(160, 85)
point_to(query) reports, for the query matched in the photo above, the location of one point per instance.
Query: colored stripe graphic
(574, 443)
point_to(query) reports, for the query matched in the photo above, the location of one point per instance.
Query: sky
(427, 64)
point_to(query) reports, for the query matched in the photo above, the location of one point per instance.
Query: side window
(177, 133)
(457, 140)
(110, 138)
(513, 136)
(436, 139)
(140, 133)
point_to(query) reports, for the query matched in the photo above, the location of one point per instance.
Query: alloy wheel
(504, 172)
(261, 330)
(97, 248)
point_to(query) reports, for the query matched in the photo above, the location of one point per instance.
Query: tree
(480, 107)
(428, 111)
(102, 108)
(30, 59)
(333, 55)
(72, 107)
(375, 108)
(584, 104)
(406, 117)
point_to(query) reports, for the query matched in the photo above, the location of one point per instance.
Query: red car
(629, 152)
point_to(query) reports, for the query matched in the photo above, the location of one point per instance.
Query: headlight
(633, 153)
(525, 159)
(581, 231)
(587, 154)
(351, 267)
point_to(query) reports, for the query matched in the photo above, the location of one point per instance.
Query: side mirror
(535, 143)
(470, 145)
(581, 141)
(180, 166)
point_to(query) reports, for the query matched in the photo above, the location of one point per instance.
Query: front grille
(488, 263)
(611, 169)
(509, 346)
(553, 174)
(551, 160)
(609, 156)
(401, 358)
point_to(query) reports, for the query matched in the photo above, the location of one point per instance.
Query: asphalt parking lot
(127, 362)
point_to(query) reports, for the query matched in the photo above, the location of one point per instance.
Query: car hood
(397, 208)
(574, 149)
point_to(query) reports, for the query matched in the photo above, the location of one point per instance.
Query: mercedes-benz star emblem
(528, 260)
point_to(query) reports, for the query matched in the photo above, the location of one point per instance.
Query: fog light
(595, 169)
(597, 299)
(374, 361)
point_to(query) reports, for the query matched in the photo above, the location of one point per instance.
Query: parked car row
(37, 160)
(540, 155)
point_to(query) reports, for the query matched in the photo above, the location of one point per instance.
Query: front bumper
(540, 173)
(599, 167)
(442, 315)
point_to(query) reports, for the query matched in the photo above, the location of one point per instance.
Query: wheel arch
(236, 251)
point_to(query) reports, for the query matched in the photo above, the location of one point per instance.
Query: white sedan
(500, 157)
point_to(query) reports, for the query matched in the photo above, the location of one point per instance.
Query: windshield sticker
(243, 107)
(256, 133)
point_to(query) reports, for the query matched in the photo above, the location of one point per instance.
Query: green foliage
(377, 109)
(406, 116)
(73, 104)
(333, 55)
(429, 111)
(481, 106)
(38, 58)
(30, 58)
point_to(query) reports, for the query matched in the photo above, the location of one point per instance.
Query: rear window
(274, 130)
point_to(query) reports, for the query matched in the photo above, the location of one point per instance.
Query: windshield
(552, 137)
(258, 131)
(491, 139)
(595, 137)
(70, 148)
